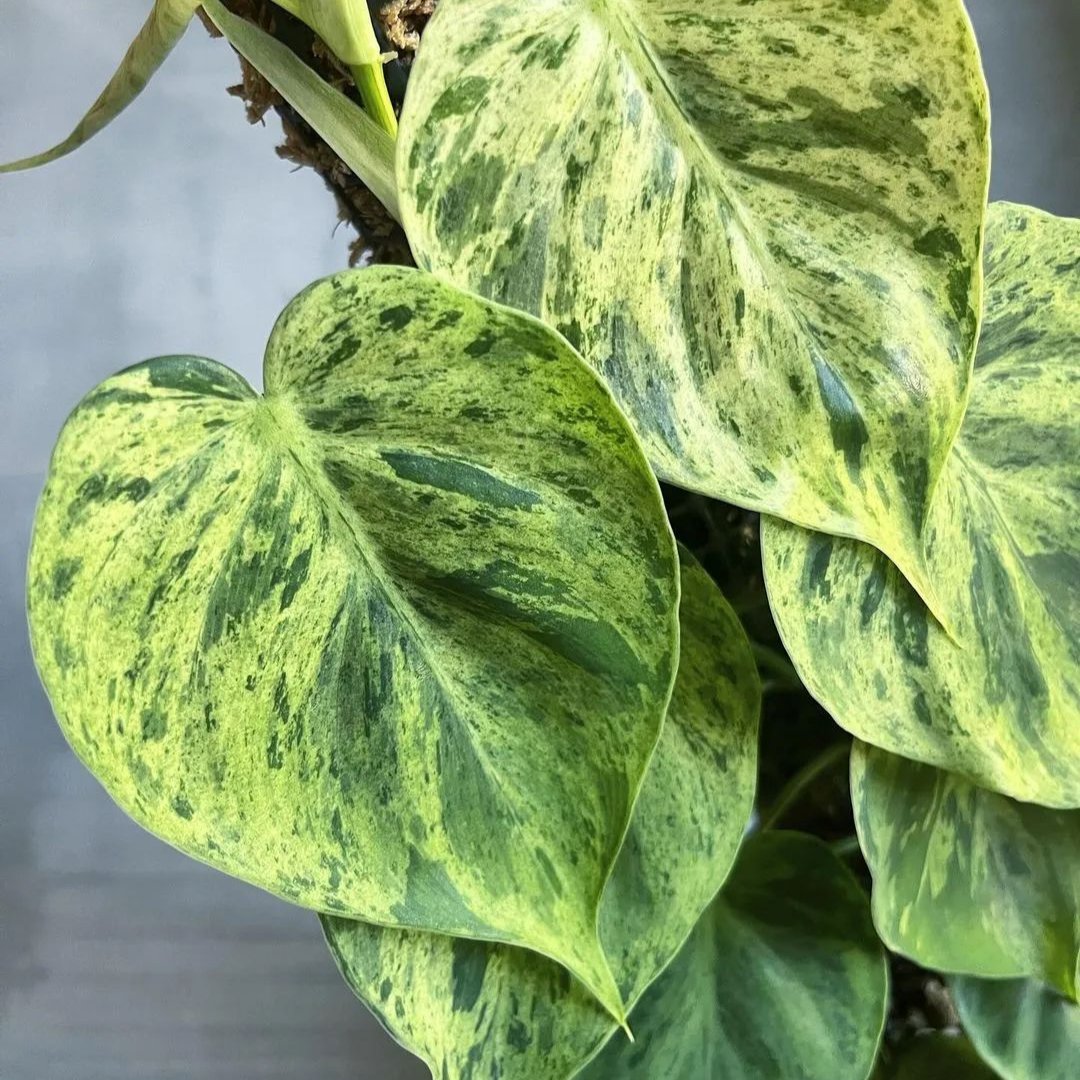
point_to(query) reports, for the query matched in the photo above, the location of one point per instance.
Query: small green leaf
(761, 222)
(349, 131)
(471, 1008)
(998, 703)
(394, 641)
(159, 34)
(1024, 1030)
(784, 979)
(937, 1057)
(966, 880)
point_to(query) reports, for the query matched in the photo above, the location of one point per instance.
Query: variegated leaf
(1023, 1029)
(394, 640)
(159, 34)
(967, 880)
(761, 222)
(999, 702)
(474, 1009)
(783, 979)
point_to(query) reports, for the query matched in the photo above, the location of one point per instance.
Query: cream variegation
(966, 880)
(375, 641)
(164, 27)
(761, 222)
(999, 701)
(783, 979)
(471, 1009)
(1026, 1031)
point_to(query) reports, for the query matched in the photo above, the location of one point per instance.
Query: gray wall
(179, 231)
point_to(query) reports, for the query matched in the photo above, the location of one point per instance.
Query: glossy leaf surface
(1024, 1030)
(761, 222)
(784, 979)
(967, 880)
(376, 641)
(164, 27)
(1000, 702)
(470, 1008)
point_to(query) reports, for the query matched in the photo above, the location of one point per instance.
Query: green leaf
(966, 880)
(394, 641)
(1024, 1030)
(163, 28)
(471, 1008)
(999, 703)
(937, 1057)
(761, 222)
(349, 131)
(784, 979)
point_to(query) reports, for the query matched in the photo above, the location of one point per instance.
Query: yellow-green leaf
(471, 1008)
(163, 28)
(783, 979)
(967, 880)
(999, 702)
(761, 222)
(1024, 1030)
(394, 640)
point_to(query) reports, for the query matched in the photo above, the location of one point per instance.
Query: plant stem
(849, 845)
(371, 82)
(782, 673)
(806, 776)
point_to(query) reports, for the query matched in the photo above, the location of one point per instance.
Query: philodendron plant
(415, 637)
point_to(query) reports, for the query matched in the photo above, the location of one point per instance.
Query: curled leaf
(159, 34)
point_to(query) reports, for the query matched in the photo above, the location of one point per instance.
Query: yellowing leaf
(162, 30)
(998, 703)
(378, 641)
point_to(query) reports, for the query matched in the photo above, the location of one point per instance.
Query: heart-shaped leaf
(761, 222)
(967, 880)
(472, 1008)
(1024, 1030)
(1000, 701)
(163, 28)
(783, 979)
(395, 640)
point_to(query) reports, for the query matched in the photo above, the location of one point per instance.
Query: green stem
(371, 82)
(843, 848)
(797, 785)
(779, 668)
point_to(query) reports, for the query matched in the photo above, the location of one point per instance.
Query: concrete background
(179, 231)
